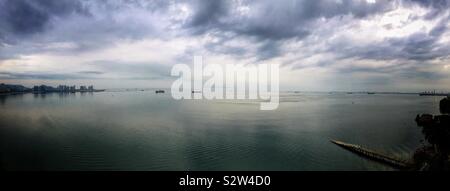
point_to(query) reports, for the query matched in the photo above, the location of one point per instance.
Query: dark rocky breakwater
(433, 155)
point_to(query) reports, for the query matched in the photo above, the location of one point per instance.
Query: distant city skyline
(322, 45)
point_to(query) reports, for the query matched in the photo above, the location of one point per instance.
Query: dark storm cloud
(289, 19)
(25, 17)
(275, 20)
(34, 26)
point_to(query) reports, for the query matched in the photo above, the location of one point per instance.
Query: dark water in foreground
(146, 131)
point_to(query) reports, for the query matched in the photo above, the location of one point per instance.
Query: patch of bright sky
(399, 22)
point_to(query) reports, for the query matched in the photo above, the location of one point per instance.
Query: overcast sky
(374, 45)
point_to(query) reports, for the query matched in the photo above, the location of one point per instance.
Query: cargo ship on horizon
(434, 93)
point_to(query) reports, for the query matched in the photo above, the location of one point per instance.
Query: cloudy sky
(374, 45)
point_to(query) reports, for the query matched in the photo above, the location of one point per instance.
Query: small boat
(159, 91)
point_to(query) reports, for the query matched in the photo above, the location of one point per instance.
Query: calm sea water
(141, 130)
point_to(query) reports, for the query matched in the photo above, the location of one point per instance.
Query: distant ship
(433, 93)
(159, 91)
(98, 90)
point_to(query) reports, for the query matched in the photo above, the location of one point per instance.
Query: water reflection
(146, 131)
(3, 99)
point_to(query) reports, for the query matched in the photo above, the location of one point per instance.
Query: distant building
(10, 88)
(4, 88)
(66, 89)
(62, 88)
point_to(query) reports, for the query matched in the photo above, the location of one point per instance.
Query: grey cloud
(273, 22)
(25, 17)
(38, 75)
(436, 7)
(282, 19)
(410, 55)
(268, 50)
(438, 4)
(91, 72)
(268, 25)
(414, 74)
(418, 46)
(28, 26)
(396, 71)
(222, 47)
(237, 51)
(208, 13)
(134, 70)
(91, 24)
